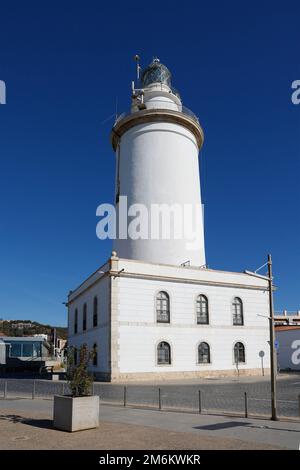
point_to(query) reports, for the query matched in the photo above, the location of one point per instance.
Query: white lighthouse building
(154, 309)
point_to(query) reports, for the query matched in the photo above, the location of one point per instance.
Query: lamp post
(273, 358)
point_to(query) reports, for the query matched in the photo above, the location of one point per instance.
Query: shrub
(79, 379)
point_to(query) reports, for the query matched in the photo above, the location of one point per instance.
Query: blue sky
(64, 64)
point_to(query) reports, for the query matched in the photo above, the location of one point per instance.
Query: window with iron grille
(84, 315)
(95, 312)
(239, 353)
(237, 311)
(95, 355)
(163, 353)
(202, 310)
(163, 307)
(203, 353)
(76, 321)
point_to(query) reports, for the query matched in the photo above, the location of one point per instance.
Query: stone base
(75, 413)
(181, 376)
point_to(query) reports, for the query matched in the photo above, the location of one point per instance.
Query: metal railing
(184, 110)
(35, 358)
(287, 313)
(162, 398)
(190, 114)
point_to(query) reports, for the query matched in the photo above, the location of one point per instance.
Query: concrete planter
(75, 413)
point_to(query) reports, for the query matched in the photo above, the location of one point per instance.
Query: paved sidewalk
(27, 424)
(256, 431)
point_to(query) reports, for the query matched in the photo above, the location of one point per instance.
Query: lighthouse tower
(157, 146)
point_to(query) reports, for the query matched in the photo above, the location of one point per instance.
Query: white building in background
(287, 318)
(154, 310)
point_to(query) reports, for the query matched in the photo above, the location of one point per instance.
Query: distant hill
(28, 328)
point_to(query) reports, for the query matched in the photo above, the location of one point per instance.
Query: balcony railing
(186, 111)
(287, 314)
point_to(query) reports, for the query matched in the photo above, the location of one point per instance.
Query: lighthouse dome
(156, 72)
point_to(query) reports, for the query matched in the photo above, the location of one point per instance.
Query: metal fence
(166, 397)
(162, 107)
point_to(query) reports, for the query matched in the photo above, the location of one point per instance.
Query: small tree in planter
(80, 410)
(80, 381)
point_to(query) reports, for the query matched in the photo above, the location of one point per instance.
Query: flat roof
(171, 273)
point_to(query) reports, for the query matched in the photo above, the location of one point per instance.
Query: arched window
(95, 355)
(239, 353)
(95, 312)
(202, 310)
(75, 321)
(237, 311)
(203, 353)
(84, 317)
(163, 307)
(163, 353)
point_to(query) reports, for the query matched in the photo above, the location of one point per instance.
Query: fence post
(93, 388)
(199, 401)
(63, 388)
(124, 395)
(5, 390)
(159, 399)
(33, 390)
(246, 405)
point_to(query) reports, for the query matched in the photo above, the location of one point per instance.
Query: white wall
(99, 334)
(288, 355)
(140, 333)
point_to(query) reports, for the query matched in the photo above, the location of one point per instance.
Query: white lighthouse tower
(157, 146)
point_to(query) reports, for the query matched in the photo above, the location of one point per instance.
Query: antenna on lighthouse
(138, 68)
(137, 93)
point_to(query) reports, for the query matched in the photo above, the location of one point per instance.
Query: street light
(272, 345)
(273, 358)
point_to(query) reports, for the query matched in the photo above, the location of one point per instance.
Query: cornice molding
(156, 115)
